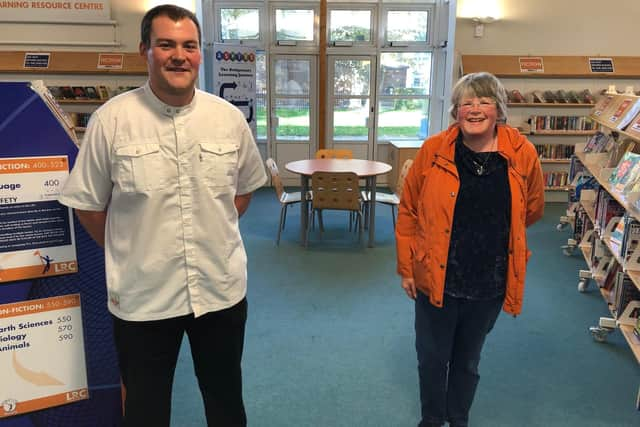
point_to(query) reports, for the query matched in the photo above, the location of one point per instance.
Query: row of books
(550, 97)
(561, 123)
(86, 92)
(624, 237)
(621, 112)
(556, 179)
(554, 151)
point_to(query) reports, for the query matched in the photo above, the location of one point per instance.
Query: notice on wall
(55, 11)
(234, 79)
(42, 359)
(36, 232)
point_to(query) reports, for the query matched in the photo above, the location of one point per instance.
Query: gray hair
(480, 85)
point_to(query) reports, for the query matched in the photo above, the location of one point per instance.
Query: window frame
(383, 40)
(259, 42)
(297, 46)
(373, 19)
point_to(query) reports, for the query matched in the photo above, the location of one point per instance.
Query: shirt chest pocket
(139, 168)
(218, 163)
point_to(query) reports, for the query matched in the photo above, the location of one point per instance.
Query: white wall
(554, 27)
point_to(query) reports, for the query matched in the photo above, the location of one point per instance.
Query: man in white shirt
(160, 181)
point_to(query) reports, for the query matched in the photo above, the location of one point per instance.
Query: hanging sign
(42, 360)
(55, 11)
(36, 232)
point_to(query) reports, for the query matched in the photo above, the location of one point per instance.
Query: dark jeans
(448, 342)
(148, 353)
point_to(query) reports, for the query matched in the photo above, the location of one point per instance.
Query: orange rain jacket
(425, 215)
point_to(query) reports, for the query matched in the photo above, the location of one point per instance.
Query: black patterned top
(477, 263)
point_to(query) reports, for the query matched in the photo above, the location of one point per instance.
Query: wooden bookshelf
(547, 105)
(625, 67)
(69, 62)
(81, 101)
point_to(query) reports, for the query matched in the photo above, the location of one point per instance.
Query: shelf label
(531, 64)
(42, 358)
(36, 60)
(601, 65)
(110, 61)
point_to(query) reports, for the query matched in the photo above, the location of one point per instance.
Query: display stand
(28, 128)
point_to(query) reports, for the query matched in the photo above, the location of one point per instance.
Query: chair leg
(284, 219)
(283, 213)
(308, 230)
(320, 222)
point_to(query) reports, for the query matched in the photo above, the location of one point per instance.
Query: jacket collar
(509, 141)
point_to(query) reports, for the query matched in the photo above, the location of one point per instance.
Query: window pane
(292, 77)
(351, 77)
(293, 119)
(240, 24)
(403, 119)
(294, 24)
(261, 117)
(350, 25)
(350, 119)
(405, 73)
(407, 25)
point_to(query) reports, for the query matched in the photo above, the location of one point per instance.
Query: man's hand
(409, 286)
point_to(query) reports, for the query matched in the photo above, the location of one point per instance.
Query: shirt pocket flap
(137, 150)
(219, 148)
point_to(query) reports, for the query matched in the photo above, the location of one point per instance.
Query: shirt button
(453, 194)
(446, 230)
(441, 265)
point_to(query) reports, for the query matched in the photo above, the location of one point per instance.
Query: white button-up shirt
(167, 177)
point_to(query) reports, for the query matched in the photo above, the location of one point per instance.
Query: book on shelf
(625, 291)
(587, 97)
(79, 92)
(627, 108)
(515, 96)
(627, 170)
(603, 105)
(618, 150)
(91, 92)
(103, 92)
(633, 128)
(67, 92)
(597, 142)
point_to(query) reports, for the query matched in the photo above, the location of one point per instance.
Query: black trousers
(449, 341)
(148, 353)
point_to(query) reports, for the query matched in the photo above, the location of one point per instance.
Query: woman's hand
(409, 286)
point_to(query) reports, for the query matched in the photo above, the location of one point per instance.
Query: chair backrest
(334, 153)
(335, 190)
(275, 177)
(403, 174)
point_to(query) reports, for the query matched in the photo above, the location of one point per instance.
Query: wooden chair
(284, 198)
(392, 199)
(337, 191)
(334, 153)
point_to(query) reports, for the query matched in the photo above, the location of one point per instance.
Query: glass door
(293, 129)
(350, 112)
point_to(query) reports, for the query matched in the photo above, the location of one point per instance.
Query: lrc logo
(77, 395)
(65, 267)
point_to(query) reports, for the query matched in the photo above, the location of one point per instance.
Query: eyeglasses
(483, 104)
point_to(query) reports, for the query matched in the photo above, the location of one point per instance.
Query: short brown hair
(480, 85)
(175, 13)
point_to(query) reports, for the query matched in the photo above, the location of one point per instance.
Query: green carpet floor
(330, 339)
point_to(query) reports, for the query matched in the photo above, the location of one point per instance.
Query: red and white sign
(531, 64)
(55, 11)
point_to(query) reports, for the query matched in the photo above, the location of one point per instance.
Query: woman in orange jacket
(461, 241)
